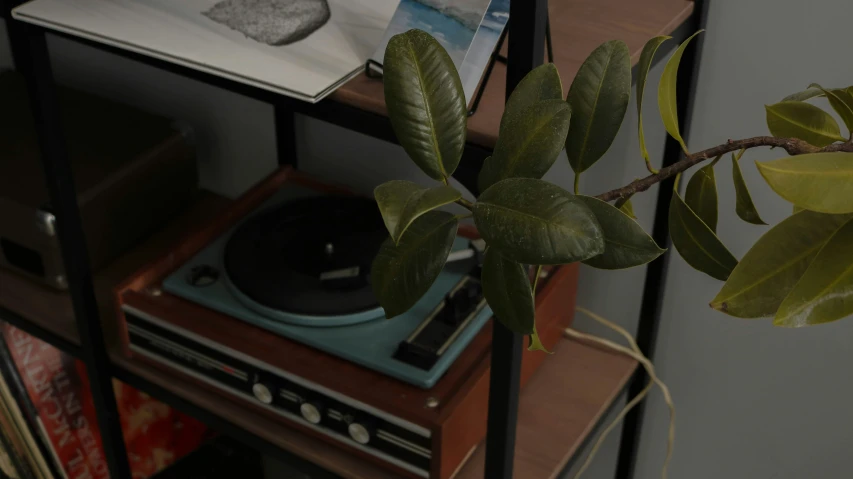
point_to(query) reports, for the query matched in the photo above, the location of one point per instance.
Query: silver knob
(262, 393)
(359, 433)
(310, 413)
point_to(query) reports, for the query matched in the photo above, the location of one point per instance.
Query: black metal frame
(526, 51)
(650, 309)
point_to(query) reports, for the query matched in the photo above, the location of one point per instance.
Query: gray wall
(753, 401)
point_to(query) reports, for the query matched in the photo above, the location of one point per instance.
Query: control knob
(361, 430)
(312, 411)
(263, 392)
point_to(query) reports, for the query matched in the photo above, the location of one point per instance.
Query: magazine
(56, 383)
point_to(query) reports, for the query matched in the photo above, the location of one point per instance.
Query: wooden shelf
(560, 407)
(51, 310)
(577, 28)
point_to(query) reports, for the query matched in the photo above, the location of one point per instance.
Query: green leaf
(627, 207)
(643, 67)
(769, 270)
(625, 243)
(534, 222)
(696, 243)
(820, 182)
(506, 286)
(426, 103)
(599, 97)
(667, 94)
(402, 273)
(823, 294)
(804, 95)
(542, 83)
(796, 209)
(402, 202)
(528, 144)
(842, 102)
(796, 119)
(743, 200)
(536, 343)
(701, 194)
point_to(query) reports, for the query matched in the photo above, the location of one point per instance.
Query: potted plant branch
(800, 272)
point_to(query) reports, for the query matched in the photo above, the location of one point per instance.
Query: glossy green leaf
(667, 92)
(643, 67)
(625, 243)
(402, 202)
(820, 182)
(542, 83)
(744, 206)
(426, 103)
(842, 102)
(401, 274)
(796, 119)
(825, 291)
(599, 97)
(534, 222)
(769, 270)
(506, 286)
(701, 194)
(536, 343)
(696, 243)
(804, 95)
(627, 207)
(528, 144)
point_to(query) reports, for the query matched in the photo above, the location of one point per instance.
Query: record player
(272, 305)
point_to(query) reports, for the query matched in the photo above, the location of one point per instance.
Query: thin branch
(465, 203)
(792, 145)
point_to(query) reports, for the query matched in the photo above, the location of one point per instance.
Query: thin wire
(635, 353)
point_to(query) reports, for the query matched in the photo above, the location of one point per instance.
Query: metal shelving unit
(87, 341)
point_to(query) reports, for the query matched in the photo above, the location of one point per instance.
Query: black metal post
(526, 52)
(285, 135)
(63, 200)
(656, 273)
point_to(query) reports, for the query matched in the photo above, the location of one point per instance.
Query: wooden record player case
(453, 412)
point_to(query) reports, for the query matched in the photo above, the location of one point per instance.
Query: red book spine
(155, 435)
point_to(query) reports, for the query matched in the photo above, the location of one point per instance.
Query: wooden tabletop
(577, 28)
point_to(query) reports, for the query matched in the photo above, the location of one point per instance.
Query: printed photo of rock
(304, 49)
(274, 22)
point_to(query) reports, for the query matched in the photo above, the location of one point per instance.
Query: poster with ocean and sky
(484, 43)
(454, 23)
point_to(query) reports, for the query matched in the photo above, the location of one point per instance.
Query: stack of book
(48, 427)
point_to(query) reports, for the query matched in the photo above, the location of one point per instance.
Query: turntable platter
(309, 256)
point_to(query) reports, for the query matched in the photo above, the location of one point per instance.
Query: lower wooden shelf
(560, 406)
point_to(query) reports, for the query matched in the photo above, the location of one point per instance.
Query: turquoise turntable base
(371, 343)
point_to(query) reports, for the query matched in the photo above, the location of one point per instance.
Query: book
(56, 384)
(304, 49)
